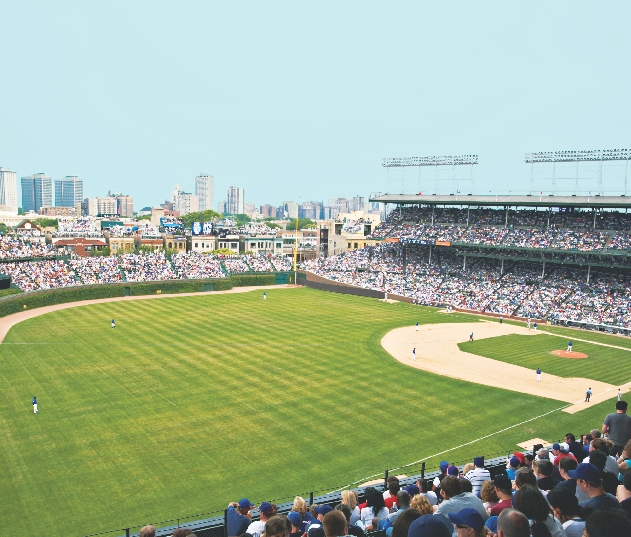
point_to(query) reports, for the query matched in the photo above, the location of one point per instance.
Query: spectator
(465, 485)
(183, 532)
(565, 466)
(574, 447)
(334, 523)
(468, 522)
(349, 498)
(512, 523)
(296, 523)
(455, 501)
(315, 528)
(266, 511)
(403, 503)
(610, 480)
(617, 427)
(568, 512)
(488, 495)
(608, 524)
(424, 490)
(375, 508)
(546, 481)
(352, 528)
(525, 477)
(478, 475)
(589, 480)
(147, 531)
(625, 504)
(531, 503)
(424, 526)
(604, 445)
(503, 491)
(390, 495)
(560, 451)
(421, 504)
(511, 467)
(239, 517)
(277, 526)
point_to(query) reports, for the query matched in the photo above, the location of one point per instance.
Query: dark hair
(598, 459)
(277, 525)
(602, 444)
(422, 484)
(546, 467)
(571, 437)
(465, 485)
(532, 503)
(403, 499)
(374, 499)
(183, 532)
(393, 487)
(627, 479)
(564, 499)
(608, 523)
(403, 522)
(450, 485)
(567, 464)
(525, 477)
(345, 509)
(621, 405)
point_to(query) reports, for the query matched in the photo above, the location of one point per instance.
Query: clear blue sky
(301, 101)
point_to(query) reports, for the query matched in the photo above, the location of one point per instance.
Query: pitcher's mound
(573, 354)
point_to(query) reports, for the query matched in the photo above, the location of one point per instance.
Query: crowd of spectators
(36, 275)
(146, 267)
(257, 228)
(94, 270)
(13, 248)
(193, 265)
(77, 227)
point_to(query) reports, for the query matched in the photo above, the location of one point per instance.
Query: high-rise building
(186, 203)
(222, 207)
(204, 191)
(124, 205)
(341, 204)
(236, 200)
(357, 204)
(68, 191)
(268, 211)
(250, 209)
(37, 192)
(9, 189)
(290, 209)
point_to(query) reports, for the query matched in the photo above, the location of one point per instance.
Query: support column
(544, 270)
(430, 254)
(589, 270)
(464, 263)
(502, 269)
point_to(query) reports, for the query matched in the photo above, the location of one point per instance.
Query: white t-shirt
(430, 497)
(366, 515)
(574, 528)
(256, 528)
(610, 466)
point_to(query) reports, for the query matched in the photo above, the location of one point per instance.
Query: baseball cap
(323, 509)
(443, 466)
(478, 461)
(412, 490)
(453, 470)
(502, 482)
(520, 456)
(586, 471)
(245, 503)
(266, 508)
(514, 462)
(428, 526)
(295, 518)
(565, 447)
(467, 517)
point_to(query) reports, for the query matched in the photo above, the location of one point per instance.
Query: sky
(302, 101)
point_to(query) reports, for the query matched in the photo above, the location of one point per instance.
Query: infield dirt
(437, 351)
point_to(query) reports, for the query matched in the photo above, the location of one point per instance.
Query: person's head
(393, 485)
(322, 510)
(403, 499)
(244, 506)
(598, 459)
(608, 523)
(532, 503)
(546, 468)
(300, 504)
(422, 485)
(594, 433)
(349, 498)
(453, 471)
(621, 407)
(147, 531)
(600, 444)
(296, 520)
(543, 453)
(346, 511)
(334, 524)
(421, 504)
(564, 503)
(374, 499)
(565, 465)
(449, 487)
(512, 523)
(424, 526)
(467, 468)
(267, 510)
(478, 462)
(487, 493)
(514, 462)
(277, 526)
(627, 448)
(503, 486)
(569, 437)
(465, 485)
(183, 532)
(443, 467)
(587, 476)
(525, 477)
(468, 522)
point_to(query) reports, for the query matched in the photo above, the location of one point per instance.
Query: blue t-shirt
(237, 523)
(603, 502)
(34, 400)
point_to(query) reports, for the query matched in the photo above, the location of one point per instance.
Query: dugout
(5, 281)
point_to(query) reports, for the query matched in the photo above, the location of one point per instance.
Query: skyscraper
(236, 200)
(9, 189)
(37, 192)
(68, 191)
(204, 191)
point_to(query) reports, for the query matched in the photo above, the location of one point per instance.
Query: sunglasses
(462, 527)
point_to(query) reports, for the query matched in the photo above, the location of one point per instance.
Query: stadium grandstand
(565, 260)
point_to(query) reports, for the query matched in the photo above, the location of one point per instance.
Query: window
(349, 244)
(355, 246)
(196, 245)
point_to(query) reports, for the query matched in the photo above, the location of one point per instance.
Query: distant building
(9, 189)
(290, 209)
(222, 207)
(124, 205)
(144, 211)
(99, 206)
(68, 191)
(250, 209)
(311, 210)
(58, 211)
(204, 191)
(236, 200)
(268, 211)
(37, 192)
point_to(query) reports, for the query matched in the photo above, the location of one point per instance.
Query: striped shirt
(478, 476)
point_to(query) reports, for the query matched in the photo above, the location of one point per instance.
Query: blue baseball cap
(467, 517)
(295, 518)
(412, 490)
(429, 526)
(453, 470)
(266, 508)
(323, 509)
(245, 503)
(586, 471)
(443, 466)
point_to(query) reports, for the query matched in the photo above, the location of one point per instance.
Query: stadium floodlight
(579, 156)
(398, 162)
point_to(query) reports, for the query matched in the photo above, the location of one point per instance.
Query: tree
(46, 222)
(103, 252)
(203, 216)
(242, 219)
(303, 223)
(144, 217)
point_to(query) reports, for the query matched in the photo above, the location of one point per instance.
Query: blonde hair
(467, 468)
(300, 505)
(488, 494)
(349, 498)
(421, 504)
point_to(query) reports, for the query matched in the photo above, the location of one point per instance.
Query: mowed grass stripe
(193, 401)
(603, 363)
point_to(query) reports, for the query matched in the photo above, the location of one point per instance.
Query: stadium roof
(613, 202)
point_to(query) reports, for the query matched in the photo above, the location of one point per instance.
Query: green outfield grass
(603, 363)
(194, 401)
